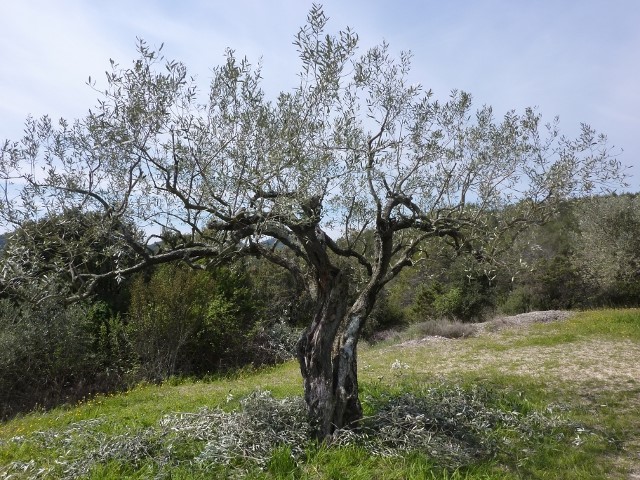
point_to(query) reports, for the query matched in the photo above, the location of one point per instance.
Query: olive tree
(608, 245)
(341, 180)
(49, 256)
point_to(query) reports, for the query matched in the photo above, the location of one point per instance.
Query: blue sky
(579, 59)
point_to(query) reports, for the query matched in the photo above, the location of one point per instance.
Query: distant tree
(543, 276)
(354, 147)
(52, 256)
(608, 246)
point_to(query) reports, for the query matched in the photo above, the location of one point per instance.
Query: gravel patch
(497, 324)
(523, 319)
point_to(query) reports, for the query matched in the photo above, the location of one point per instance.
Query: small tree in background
(608, 247)
(356, 147)
(185, 322)
(50, 256)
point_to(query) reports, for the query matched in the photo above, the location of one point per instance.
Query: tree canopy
(302, 179)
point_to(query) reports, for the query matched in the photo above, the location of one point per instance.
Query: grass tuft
(440, 328)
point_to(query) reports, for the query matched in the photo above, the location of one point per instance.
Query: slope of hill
(545, 395)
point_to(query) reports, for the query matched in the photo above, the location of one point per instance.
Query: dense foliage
(168, 321)
(50, 354)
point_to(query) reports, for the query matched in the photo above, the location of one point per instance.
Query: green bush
(448, 304)
(517, 301)
(386, 315)
(552, 284)
(436, 301)
(189, 322)
(50, 353)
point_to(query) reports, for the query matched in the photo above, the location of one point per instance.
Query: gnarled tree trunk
(327, 352)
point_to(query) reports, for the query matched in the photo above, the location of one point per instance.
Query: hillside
(542, 395)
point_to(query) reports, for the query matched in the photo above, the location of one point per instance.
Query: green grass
(485, 414)
(145, 404)
(610, 324)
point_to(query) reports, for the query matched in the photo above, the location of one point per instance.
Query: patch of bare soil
(523, 319)
(500, 323)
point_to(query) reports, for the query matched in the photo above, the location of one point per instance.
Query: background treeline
(586, 257)
(173, 320)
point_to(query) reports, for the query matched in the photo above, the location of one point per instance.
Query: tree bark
(327, 356)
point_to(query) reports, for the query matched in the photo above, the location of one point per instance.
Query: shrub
(517, 301)
(440, 328)
(553, 284)
(448, 304)
(50, 354)
(274, 343)
(468, 302)
(189, 322)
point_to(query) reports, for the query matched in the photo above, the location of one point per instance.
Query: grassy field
(557, 400)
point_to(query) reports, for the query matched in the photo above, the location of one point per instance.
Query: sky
(578, 59)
